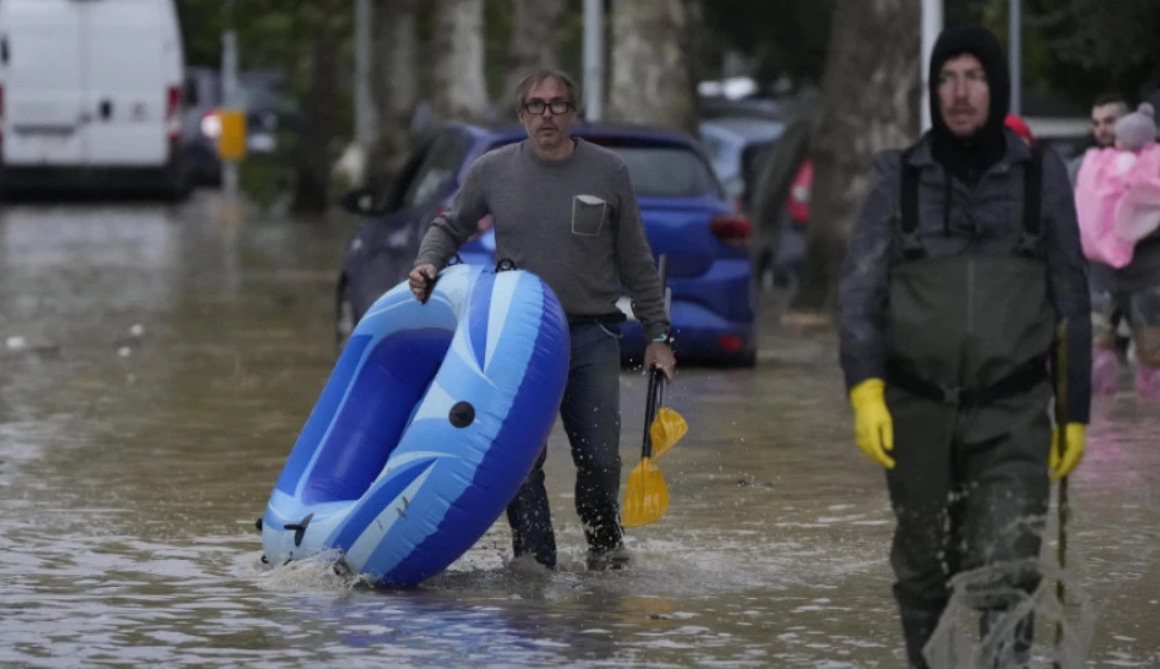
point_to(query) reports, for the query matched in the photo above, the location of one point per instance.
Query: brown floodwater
(157, 363)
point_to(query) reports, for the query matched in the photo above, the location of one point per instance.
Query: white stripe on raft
(372, 536)
(501, 303)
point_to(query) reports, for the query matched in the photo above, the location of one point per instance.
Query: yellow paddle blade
(666, 430)
(647, 496)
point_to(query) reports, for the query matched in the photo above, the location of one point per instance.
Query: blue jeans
(591, 414)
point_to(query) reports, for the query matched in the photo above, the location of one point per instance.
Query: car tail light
(172, 112)
(211, 125)
(483, 225)
(731, 229)
(731, 343)
(798, 202)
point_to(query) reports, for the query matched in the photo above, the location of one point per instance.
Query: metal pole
(1015, 46)
(229, 95)
(229, 68)
(364, 109)
(593, 60)
(932, 25)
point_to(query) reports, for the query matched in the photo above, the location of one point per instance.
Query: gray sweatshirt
(574, 223)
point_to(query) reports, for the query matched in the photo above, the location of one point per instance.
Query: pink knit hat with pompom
(1138, 128)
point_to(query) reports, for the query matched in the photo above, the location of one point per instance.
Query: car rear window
(660, 170)
(438, 167)
(666, 171)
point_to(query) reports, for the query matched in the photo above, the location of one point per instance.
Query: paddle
(647, 496)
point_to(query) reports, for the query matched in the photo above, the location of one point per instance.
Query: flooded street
(157, 364)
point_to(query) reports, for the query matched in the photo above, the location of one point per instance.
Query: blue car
(685, 213)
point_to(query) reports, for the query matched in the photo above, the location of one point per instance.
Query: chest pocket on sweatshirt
(589, 214)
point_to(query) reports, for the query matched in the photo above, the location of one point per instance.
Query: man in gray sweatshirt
(565, 210)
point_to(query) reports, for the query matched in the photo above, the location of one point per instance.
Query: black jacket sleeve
(863, 288)
(1068, 283)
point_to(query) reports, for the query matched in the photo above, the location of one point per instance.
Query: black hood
(968, 157)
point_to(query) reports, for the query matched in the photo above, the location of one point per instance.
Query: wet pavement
(157, 363)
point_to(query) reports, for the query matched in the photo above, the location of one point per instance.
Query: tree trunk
(460, 85)
(650, 67)
(395, 88)
(870, 102)
(534, 41)
(311, 189)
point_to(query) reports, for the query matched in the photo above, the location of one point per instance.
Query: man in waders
(963, 263)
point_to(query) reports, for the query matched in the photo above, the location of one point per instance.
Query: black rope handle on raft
(454, 260)
(504, 265)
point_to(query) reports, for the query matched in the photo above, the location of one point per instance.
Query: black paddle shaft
(656, 378)
(1061, 418)
(650, 411)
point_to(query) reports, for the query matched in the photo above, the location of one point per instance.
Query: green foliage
(1093, 46)
(1078, 49)
(272, 34)
(201, 27)
(266, 177)
(783, 37)
(571, 46)
(1074, 49)
(498, 25)
(958, 12)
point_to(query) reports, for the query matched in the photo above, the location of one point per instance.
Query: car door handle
(106, 109)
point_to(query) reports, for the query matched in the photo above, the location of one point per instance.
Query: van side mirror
(361, 201)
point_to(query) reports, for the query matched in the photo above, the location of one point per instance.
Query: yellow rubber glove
(873, 427)
(1061, 464)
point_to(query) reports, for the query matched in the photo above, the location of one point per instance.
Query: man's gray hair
(535, 78)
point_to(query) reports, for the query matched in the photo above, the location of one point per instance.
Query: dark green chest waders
(970, 329)
(968, 337)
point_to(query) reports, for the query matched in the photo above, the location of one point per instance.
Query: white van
(90, 94)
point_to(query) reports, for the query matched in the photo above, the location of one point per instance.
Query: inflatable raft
(430, 421)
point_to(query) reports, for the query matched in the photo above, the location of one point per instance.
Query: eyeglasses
(557, 107)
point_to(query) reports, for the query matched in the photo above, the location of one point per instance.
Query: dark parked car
(684, 210)
(262, 94)
(735, 146)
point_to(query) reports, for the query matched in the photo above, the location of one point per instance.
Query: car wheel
(746, 359)
(345, 319)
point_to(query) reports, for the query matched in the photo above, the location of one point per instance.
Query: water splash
(322, 572)
(1062, 630)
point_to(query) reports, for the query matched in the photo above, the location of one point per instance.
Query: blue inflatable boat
(430, 421)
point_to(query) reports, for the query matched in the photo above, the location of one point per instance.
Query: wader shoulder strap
(1030, 242)
(1031, 238)
(912, 246)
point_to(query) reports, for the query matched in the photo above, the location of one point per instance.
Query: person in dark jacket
(1130, 292)
(962, 268)
(1106, 110)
